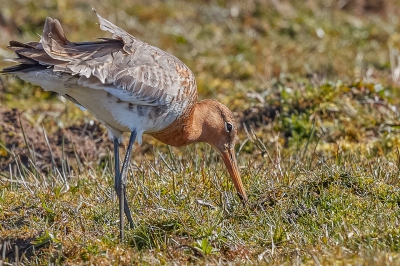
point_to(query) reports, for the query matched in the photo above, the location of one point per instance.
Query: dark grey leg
(117, 170)
(124, 172)
(120, 183)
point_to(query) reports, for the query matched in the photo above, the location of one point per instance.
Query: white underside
(118, 116)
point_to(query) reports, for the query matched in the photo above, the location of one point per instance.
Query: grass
(315, 208)
(316, 98)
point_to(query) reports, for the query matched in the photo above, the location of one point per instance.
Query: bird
(131, 87)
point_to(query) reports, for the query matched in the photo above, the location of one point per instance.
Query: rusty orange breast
(179, 132)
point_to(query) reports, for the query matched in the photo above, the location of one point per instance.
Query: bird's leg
(123, 204)
(124, 172)
(119, 189)
(117, 170)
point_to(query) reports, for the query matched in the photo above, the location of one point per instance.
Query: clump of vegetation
(315, 90)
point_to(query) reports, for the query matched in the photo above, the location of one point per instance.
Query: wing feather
(126, 67)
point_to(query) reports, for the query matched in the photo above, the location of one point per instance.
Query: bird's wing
(126, 67)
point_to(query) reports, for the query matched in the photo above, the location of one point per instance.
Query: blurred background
(285, 68)
(233, 47)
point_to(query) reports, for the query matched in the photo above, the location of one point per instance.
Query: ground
(314, 87)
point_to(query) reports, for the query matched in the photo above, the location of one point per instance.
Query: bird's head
(218, 128)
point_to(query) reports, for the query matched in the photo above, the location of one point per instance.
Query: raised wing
(126, 67)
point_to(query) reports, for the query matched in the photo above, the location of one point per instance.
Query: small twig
(206, 204)
(53, 162)
(4, 249)
(195, 250)
(16, 255)
(165, 162)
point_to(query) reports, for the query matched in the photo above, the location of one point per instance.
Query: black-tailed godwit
(130, 86)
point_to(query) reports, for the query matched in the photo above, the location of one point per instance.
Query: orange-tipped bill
(229, 159)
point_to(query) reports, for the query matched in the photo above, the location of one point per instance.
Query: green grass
(312, 89)
(344, 208)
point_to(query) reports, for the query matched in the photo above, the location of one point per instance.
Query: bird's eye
(228, 127)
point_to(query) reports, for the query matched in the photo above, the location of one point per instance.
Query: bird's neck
(186, 129)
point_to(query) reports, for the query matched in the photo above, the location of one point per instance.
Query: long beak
(229, 159)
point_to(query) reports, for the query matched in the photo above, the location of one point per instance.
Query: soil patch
(19, 139)
(257, 116)
(17, 248)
